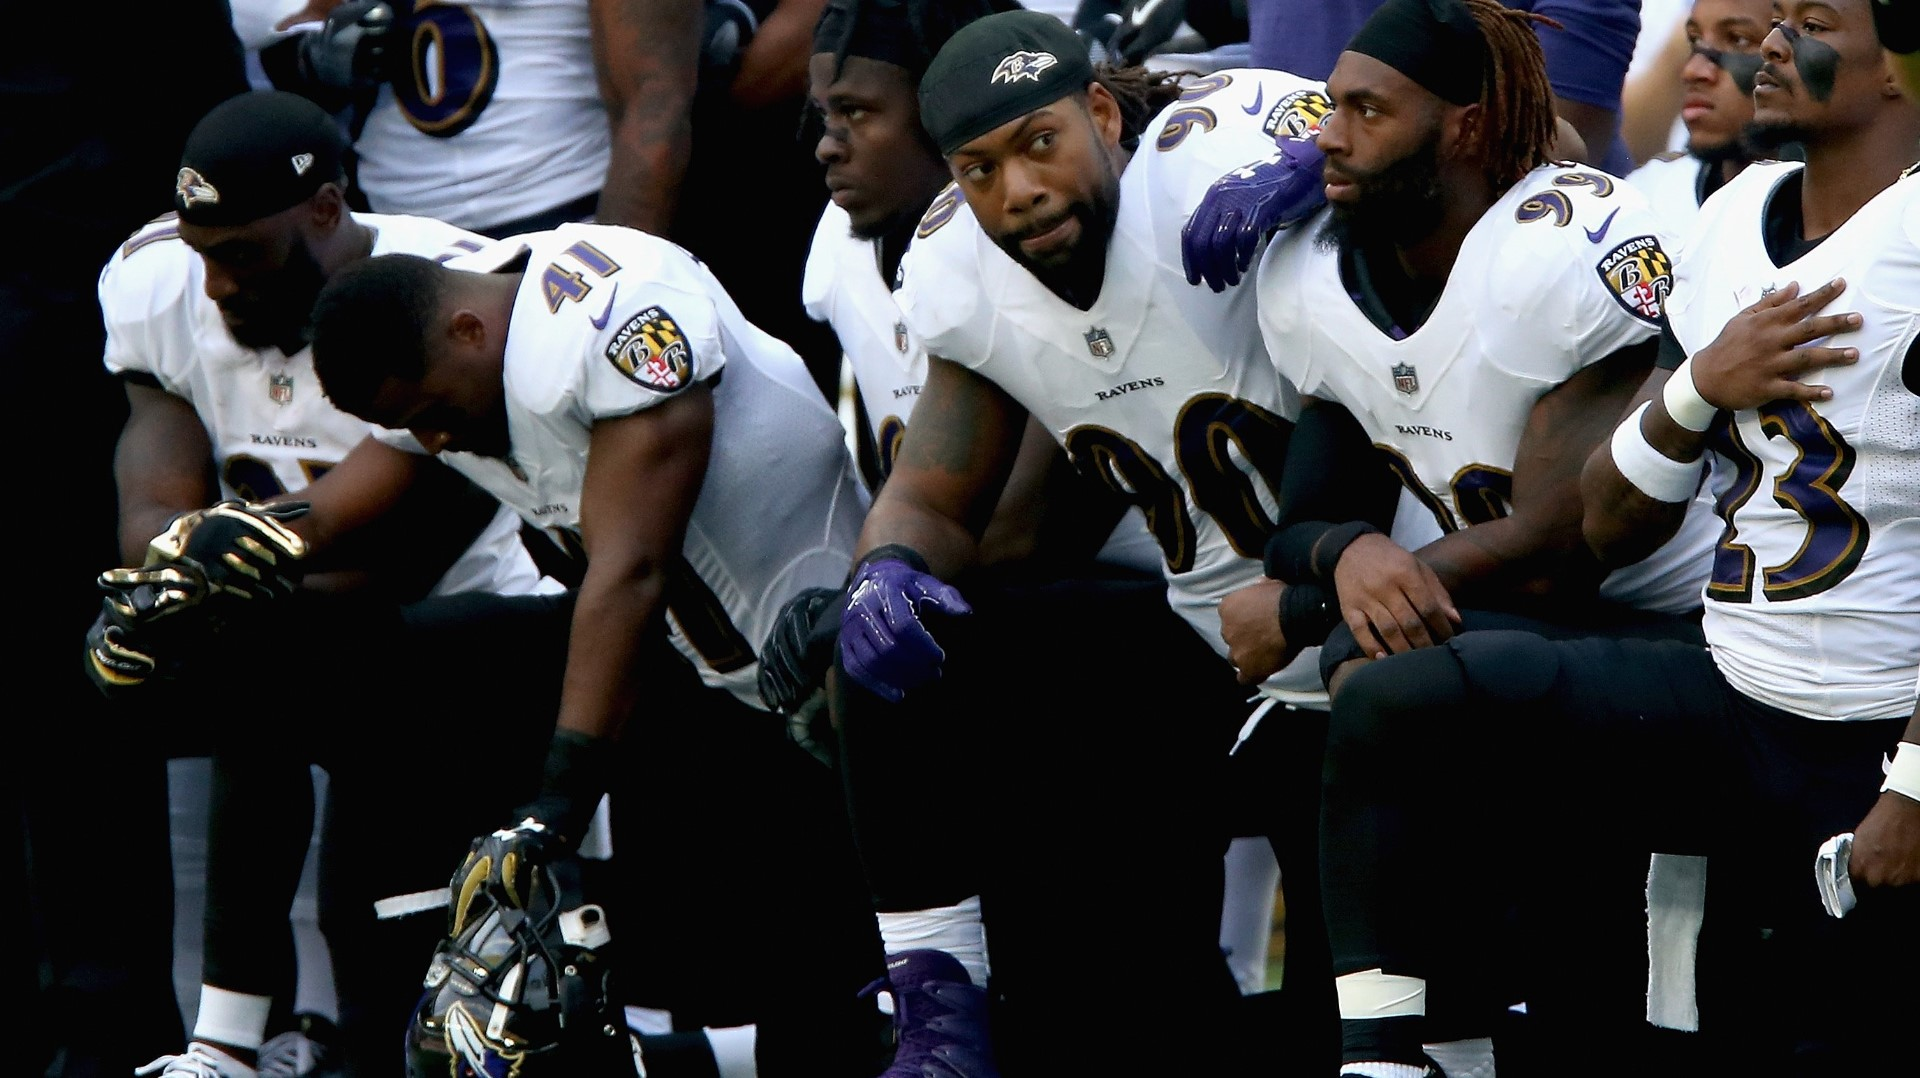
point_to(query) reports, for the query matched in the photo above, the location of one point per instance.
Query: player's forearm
(613, 614)
(140, 521)
(1621, 523)
(1534, 552)
(650, 150)
(647, 54)
(948, 546)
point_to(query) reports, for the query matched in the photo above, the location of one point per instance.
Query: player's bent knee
(1507, 665)
(1379, 700)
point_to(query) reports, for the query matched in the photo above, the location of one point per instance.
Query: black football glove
(356, 48)
(139, 623)
(240, 549)
(1145, 25)
(507, 862)
(548, 827)
(117, 660)
(799, 650)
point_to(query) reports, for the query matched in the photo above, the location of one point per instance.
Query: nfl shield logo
(900, 336)
(1099, 343)
(280, 388)
(1406, 379)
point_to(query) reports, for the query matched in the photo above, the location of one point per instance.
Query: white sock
(955, 929)
(1372, 993)
(231, 1018)
(1384, 1070)
(1471, 1058)
(733, 1050)
(1246, 917)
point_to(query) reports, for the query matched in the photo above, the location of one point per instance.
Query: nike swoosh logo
(1259, 94)
(1598, 234)
(601, 322)
(1139, 16)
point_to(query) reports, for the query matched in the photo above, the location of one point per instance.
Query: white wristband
(1684, 403)
(1903, 774)
(1651, 472)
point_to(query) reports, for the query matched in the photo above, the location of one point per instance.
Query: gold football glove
(243, 549)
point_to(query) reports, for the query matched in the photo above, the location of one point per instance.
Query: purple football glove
(1242, 207)
(883, 645)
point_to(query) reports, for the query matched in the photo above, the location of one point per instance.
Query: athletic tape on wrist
(1684, 403)
(1903, 773)
(1651, 472)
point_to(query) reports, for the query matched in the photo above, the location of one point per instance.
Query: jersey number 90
(1220, 444)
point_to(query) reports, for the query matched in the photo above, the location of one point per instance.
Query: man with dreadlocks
(1468, 323)
(1046, 286)
(1788, 750)
(1479, 315)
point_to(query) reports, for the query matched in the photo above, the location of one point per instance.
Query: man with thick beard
(1479, 316)
(1468, 322)
(1046, 285)
(1718, 75)
(1794, 734)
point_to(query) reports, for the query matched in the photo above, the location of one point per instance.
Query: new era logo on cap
(1023, 65)
(301, 163)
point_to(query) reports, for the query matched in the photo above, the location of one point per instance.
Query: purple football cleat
(939, 1018)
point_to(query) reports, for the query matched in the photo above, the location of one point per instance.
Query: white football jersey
(610, 321)
(1565, 269)
(1814, 603)
(272, 430)
(1671, 183)
(496, 114)
(1162, 390)
(843, 288)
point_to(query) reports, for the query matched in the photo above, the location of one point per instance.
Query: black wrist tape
(897, 551)
(1308, 612)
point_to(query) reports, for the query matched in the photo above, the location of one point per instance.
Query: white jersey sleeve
(816, 281)
(1590, 284)
(147, 302)
(641, 304)
(1222, 122)
(610, 321)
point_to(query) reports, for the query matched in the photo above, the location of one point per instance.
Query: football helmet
(521, 990)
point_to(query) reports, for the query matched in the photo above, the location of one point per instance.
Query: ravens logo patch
(652, 351)
(1640, 275)
(1297, 115)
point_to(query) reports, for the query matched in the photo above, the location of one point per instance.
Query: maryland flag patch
(652, 351)
(1640, 275)
(1297, 115)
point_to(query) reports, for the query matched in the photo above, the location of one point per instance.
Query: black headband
(1436, 43)
(255, 155)
(998, 69)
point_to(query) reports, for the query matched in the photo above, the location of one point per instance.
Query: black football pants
(734, 894)
(1501, 769)
(1069, 767)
